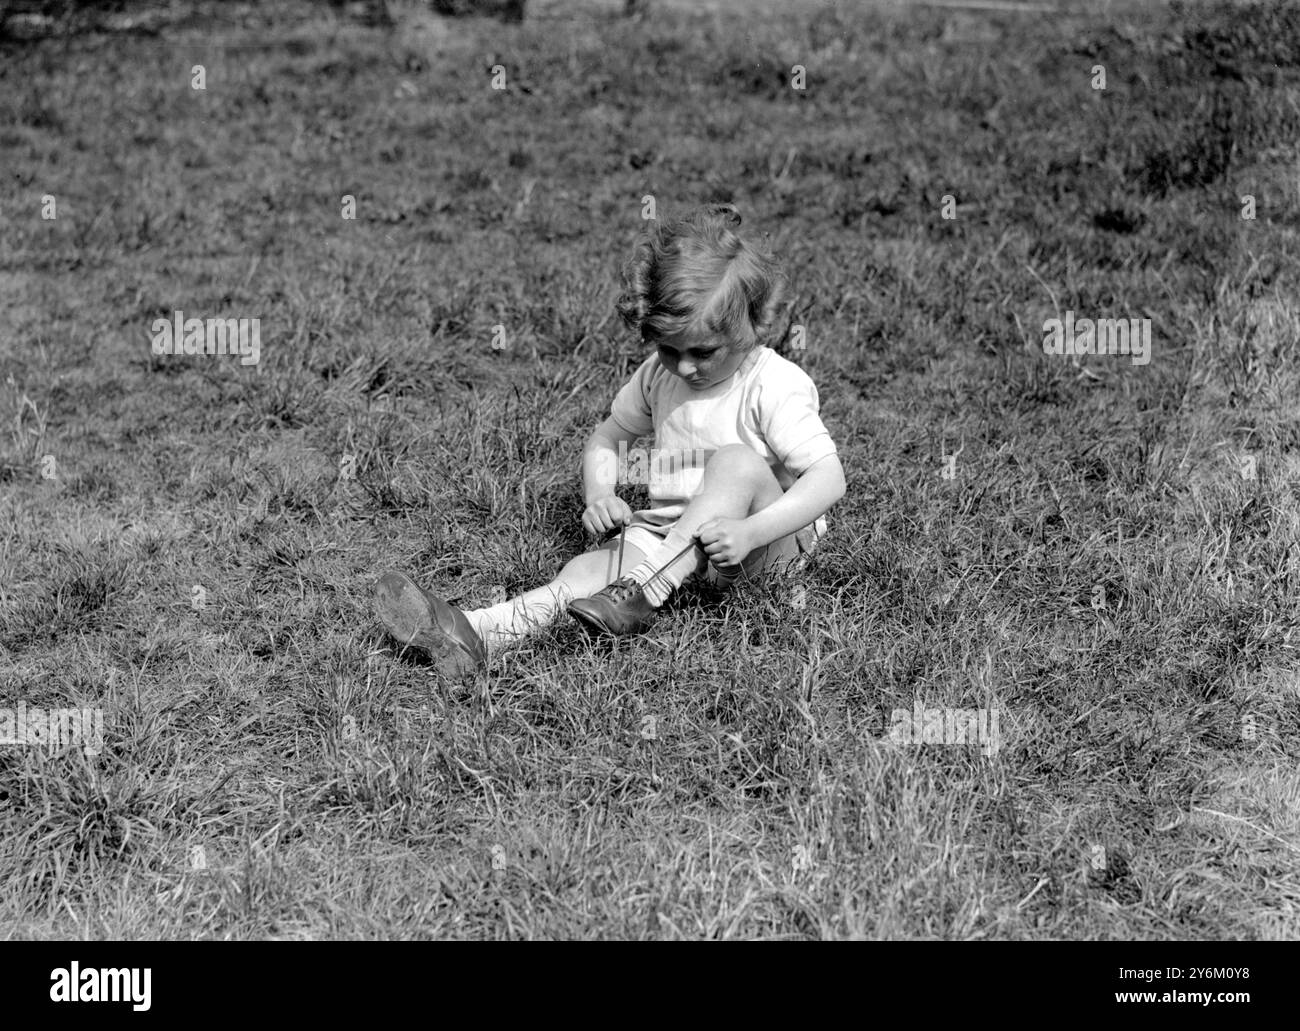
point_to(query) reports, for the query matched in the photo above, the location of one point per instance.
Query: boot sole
(409, 619)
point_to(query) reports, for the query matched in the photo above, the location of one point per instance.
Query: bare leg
(737, 483)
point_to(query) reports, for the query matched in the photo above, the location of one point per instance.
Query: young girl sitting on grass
(745, 468)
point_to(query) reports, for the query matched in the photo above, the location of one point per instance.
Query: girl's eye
(699, 356)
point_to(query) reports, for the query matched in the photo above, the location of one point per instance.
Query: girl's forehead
(689, 339)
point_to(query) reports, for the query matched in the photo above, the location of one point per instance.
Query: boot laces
(621, 590)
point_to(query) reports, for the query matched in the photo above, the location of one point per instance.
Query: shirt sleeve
(792, 427)
(631, 408)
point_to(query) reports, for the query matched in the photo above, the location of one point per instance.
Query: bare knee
(737, 460)
(741, 474)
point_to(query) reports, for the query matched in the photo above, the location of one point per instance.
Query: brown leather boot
(621, 608)
(417, 618)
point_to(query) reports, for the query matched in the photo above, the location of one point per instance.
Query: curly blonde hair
(696, 273)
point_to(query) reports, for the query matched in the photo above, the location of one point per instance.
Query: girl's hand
(604, 514)
(726, 541)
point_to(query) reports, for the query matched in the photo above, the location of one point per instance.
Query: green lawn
(1114, 565)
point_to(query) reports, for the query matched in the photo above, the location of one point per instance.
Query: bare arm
(821, 485)
(600, 460)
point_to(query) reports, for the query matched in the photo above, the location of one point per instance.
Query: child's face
(702, 361)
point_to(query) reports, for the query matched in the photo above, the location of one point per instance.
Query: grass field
(1113, 565)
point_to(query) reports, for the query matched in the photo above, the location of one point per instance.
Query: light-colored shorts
(790, 551)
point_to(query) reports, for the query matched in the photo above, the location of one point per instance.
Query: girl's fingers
(708, 533)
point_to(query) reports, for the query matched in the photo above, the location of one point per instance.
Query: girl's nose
(685, 369)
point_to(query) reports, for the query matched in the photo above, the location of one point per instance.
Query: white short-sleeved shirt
(768, 404)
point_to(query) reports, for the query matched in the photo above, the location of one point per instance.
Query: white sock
(505, 624)
(672, 571)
